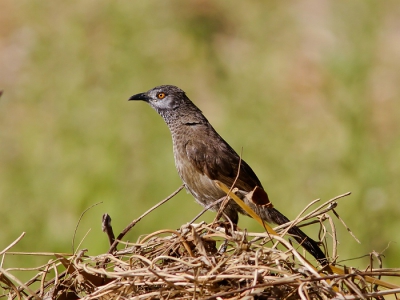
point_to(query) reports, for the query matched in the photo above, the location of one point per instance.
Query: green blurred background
(309, 90)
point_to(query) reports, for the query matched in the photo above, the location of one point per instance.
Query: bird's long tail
(304, 240)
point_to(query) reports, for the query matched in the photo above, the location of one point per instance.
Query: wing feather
(220, 162)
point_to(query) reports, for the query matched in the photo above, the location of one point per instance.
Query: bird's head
(163, 97)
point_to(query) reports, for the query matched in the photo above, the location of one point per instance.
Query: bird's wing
(219, 161)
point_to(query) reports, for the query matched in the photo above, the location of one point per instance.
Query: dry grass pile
(199, 261)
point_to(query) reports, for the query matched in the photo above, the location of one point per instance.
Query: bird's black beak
(141, 96)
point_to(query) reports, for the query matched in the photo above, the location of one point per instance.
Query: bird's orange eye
(161, 95)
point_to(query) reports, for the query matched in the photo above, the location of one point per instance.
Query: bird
(202, 156)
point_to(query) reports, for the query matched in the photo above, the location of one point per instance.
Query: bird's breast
(203, 189)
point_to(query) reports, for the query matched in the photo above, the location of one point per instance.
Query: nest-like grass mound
(198, 261)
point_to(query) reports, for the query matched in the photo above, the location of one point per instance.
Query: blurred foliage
(309, 90)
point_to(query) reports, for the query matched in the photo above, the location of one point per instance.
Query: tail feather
(304, 240)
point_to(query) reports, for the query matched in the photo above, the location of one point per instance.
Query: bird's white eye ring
(161, 95)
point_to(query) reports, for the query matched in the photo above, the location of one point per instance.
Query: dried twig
(186, 264)
(79, 221)
(12, 244)
(133, 223)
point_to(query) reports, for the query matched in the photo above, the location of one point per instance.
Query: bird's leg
(229, 227)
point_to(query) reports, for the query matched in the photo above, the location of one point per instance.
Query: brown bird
(202, 156)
